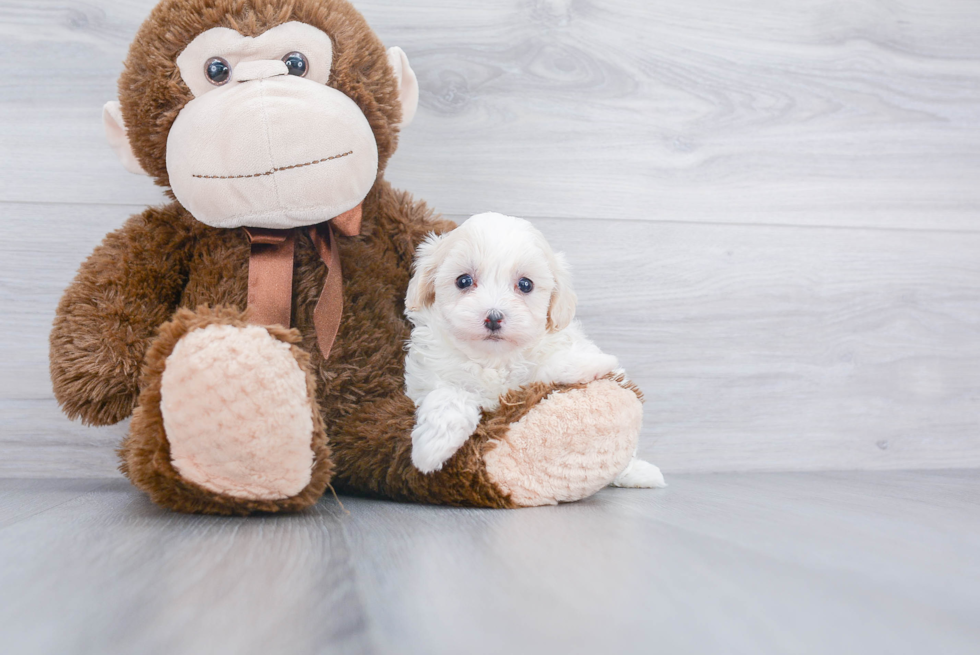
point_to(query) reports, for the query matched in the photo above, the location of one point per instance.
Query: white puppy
(493, 310)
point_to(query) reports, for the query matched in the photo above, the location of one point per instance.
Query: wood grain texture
(861, 114)
(734, 563)
(769, 348)
(772, 211)
(758, 347)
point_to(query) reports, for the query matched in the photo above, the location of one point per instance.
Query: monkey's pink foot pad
(237, 413)
(569, 446)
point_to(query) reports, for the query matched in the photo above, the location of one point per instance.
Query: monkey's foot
(227, 420)
(568, 446)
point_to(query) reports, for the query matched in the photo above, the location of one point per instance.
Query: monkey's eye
(217, 70)
(525, 285)
(464, 281)
(296, 63)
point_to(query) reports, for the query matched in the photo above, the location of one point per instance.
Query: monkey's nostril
(493, 320)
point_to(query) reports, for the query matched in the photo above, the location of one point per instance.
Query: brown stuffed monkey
(254, 327)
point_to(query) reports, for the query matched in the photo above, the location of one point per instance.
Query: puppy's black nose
(493, 320)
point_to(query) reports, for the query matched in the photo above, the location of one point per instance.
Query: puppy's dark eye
(217, 70)
(525, 285)
(464, 281)
(296, 63)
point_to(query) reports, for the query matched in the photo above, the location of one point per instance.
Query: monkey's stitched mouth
(272, 170)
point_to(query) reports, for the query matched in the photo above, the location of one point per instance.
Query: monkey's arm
(128, 286)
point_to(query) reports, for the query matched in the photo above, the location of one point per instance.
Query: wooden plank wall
(771, 208)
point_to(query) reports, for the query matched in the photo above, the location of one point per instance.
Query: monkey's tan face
(265, 142)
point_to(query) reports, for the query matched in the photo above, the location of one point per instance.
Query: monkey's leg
(545, 445)
(227, 421)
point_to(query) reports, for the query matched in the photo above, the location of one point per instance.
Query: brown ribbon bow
(270, 275)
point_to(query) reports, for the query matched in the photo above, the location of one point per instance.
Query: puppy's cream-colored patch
(568, 447)
(236, 413)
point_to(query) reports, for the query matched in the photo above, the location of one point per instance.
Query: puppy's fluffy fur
(493, 310)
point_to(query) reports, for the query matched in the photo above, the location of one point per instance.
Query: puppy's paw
(592, 367)
(640, 475)
(445, 420)
(575, 368)
(432, 445)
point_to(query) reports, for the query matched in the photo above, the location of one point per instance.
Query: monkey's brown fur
(116, 323)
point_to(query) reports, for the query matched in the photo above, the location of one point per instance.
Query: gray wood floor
(862, 562)
(771, 209)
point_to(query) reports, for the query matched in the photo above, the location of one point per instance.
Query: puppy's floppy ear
(561, 311)
(422, 286)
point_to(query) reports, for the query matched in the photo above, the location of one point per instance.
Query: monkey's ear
(115, 132)
(408, 84)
